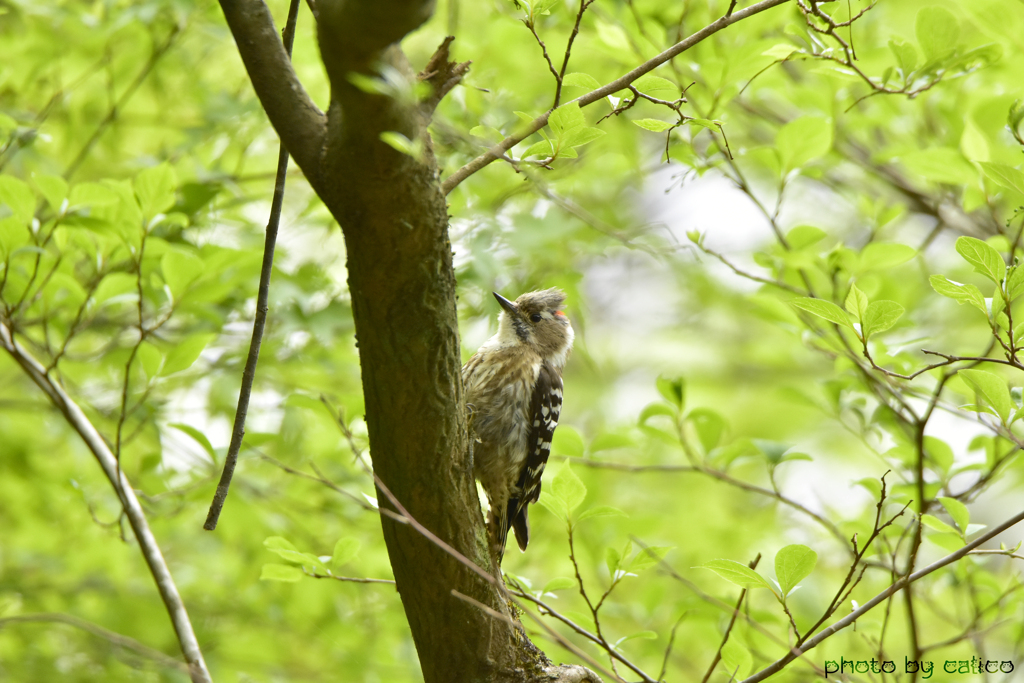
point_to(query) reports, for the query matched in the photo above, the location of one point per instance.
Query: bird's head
(536, 319)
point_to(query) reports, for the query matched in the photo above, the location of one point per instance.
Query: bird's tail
(511, 516)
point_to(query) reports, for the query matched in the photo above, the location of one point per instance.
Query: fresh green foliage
(792, 565)
(742, 390)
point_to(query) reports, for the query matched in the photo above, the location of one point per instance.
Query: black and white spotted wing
(545, 407)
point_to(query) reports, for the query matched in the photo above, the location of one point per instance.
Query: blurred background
(720, 420)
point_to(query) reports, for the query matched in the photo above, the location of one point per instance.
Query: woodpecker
(514, 396)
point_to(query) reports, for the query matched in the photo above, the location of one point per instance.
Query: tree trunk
(402, 283)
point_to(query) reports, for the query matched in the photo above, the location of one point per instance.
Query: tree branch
(133, 510)
(301, 126)
(499, 150)
(262, 306)
(881, 597)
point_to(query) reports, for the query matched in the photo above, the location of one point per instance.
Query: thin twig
(249, 373)
(546, 609)
(728, 629)
(560, 76)
(112, 637)
(721, 476)
(352, 579)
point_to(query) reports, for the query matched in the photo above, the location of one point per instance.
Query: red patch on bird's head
(560, 314)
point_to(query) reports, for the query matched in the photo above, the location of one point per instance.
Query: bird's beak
(506, 304)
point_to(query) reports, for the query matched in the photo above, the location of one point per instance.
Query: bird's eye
(535, 317)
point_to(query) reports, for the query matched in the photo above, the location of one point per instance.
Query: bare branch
(136, 517)
(899, 585)
(301, 126)
(262, 307)
(499, 150)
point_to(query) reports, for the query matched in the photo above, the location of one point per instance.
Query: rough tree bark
(395, 221)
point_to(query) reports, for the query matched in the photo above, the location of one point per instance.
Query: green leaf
(286, 551)
(973, 529)
(780, 51)
(278, 543)
(612, 559)
(18, 197)
(959, 292)
(150, 358)
(973, 143)
(1015, 282)
(544, 148)
(180, 269)
(345, 550)
(983, 257)
(613, 36)
(792, 565)
(880, 316)
(553, 504)
(804, 236)
(646, 635)
(198, 437)
(569, 488)
(657, 408)
(736, 660)
(487, 133)
(558, 583)
(673, 389)
(1006, 176)
(884, 255)
(958, 511)
(580, 80)
(709, 425)
(856, 303)
(938, 31)
(610, 441)
(939, 452)
(649, 83)
(941, 165)
(647, 557)
(280, 572)
(154, 188)
(872, 485)
(772, 450)
(737, 573)
(937, 524)
(950, 541)
(53, 187)
(400, 143)
(183, 354)
(705, 123)
(991, 389)
(14, 234)
(566, 118)
(653, 124)
(600, 511)
(578, 137)
(802, 141)
(906, 56)
(824, 309)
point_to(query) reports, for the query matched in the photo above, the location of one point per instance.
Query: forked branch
(123, 488)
